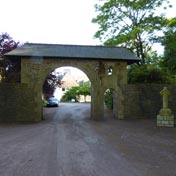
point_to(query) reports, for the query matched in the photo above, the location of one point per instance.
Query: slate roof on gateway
(74, 51)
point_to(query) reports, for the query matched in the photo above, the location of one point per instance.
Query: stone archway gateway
(105, 67)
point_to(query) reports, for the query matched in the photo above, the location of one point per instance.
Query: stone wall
(17, 103)
(145, 101)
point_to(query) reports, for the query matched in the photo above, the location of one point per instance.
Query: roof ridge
(76, 45)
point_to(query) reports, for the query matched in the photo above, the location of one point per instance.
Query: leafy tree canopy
(9, 69)
(147, 74)
(70, 94)
(50, 84)
(130, 23)
(169, 43)
(6, 44)
(84, 89)
(75, 92)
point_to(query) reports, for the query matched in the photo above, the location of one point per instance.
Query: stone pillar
(165, 117)
(118, 111)
(97, 103)
(121, 79)
(30, 75)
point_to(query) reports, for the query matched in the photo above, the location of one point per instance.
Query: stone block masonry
(145, 101)
(17, 103)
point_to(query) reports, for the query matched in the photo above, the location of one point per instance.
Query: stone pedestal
(165, 118)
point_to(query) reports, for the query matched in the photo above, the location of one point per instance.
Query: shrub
(70, 94)
(109, 98)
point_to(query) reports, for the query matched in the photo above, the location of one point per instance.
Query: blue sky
(52, 21)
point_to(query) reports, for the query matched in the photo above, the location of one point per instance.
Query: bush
(44, 102)
(147, 74)
(109, 98)
(70, 94)
(75, 92)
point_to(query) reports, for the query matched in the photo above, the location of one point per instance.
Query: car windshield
(52, 99)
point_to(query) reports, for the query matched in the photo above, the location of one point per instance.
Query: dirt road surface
(67, 143)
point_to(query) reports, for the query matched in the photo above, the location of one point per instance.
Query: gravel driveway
(67, 143)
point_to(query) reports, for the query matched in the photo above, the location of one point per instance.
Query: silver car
(52, 102)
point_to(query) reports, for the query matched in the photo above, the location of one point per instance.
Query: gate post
(118, 97)
(97, 103)
(30, 75)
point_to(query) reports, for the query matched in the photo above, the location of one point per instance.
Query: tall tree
(130, 23)
(9, 69)
(169, 43)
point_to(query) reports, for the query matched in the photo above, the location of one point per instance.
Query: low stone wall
(17, 103)
(145, 101)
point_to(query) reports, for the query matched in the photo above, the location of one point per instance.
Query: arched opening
(75, 81)
(71, 86)
(108, 103)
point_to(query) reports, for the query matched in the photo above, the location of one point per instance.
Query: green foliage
(84, 89)
(169, 43)
(50, 84)
(109, 98)
(135, 25)
(44, 102)
(9, 68)
(147, 74)
(70, 94)
(75, 92)
(130, 23)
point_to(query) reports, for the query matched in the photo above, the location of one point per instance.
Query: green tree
(75, 92)
(108, 96)
(9, 68)
(169, 43)
(147, 74)
(130, 23)
(150, 72)
(70, 94)
(84, 89)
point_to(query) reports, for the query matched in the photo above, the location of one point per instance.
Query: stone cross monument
(165, 93)
(165, 117)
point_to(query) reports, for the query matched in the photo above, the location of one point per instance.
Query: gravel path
(67, 143)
